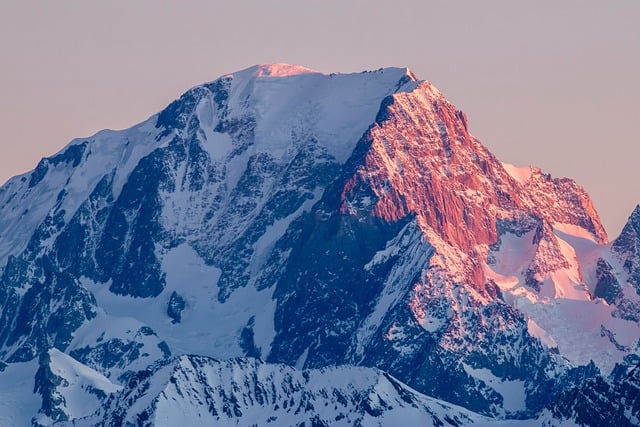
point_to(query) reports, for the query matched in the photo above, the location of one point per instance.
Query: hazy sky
(549, 83)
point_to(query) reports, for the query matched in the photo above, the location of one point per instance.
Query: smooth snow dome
(280, 70)
(293, 100)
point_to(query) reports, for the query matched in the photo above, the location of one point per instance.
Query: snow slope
(564, 314)
(199, 391)
(18, 401)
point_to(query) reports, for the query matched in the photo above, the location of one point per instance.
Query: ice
(79, 386)
(563, 314)
(512, 392)
(18, 402)
(574, 231)
(335, 110)
(196, 282)
(566, 283)
(541, 334)
(276, 70)
(22, 208)
(521, 175)
(249, 392)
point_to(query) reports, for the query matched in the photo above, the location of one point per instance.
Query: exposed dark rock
(175, 307)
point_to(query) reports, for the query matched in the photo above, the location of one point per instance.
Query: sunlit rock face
(310, 220)
(417, 220)
(421, 161)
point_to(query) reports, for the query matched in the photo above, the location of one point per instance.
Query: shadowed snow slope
(199, 391)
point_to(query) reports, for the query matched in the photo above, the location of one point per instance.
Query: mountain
(325, 224)
(196, 390)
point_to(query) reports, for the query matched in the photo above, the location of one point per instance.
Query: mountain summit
(346, 225)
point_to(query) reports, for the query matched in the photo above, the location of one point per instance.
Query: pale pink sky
(548, 83)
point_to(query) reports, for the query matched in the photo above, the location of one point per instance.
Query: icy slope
(69, 389)
(18, 401)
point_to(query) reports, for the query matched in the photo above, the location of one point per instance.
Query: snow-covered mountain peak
(199, 391)
(275, 70)
(280, 69)
(313, 220)
(285, 104)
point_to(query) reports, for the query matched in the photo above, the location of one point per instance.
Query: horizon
(567, 96)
